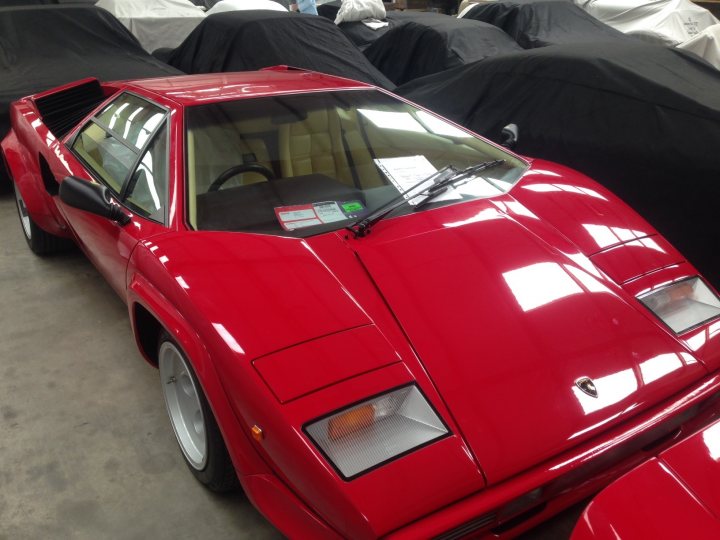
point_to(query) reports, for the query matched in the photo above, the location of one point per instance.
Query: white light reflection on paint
(602, 235)
(227, 338)
(540, 284)
(711, 438)
(566, 188)
(611, 389)
(182, 282)
(591, 283)
(543, 173)
(652, 244)
(583, 262)
(520, 210)
(697, 341)
(484, 215)
(657, 367)
(606, 236)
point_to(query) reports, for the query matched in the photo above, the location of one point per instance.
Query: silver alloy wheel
(183, 405)
(24, 216)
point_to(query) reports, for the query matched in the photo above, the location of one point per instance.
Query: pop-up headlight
(375, 431)
(683, 304)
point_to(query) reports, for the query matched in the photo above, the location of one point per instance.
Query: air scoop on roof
(61, 111)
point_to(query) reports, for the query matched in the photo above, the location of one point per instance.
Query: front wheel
(192, 420)
(39, 241)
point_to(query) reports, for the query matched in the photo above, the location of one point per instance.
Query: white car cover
(661, 21)
(238, 5)
(156, 23)
(359, 10)
(706, 45)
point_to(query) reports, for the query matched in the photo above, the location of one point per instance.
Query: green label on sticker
(352, 206)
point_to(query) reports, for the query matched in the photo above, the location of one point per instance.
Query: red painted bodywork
(492, 307)
(674, 495)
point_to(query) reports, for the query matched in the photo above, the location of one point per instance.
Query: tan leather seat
(316, 145)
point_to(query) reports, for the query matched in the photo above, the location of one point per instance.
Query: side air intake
(61, 111)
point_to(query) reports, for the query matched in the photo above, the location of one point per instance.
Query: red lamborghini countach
(375, 322)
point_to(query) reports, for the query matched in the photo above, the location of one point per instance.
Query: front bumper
(516, 505)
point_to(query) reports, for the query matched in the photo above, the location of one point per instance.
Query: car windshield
(299, 165)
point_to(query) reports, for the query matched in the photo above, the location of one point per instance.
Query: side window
(147, 189)
(106, 155)
(125, 145)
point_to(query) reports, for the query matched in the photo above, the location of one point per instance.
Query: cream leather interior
(316, 145)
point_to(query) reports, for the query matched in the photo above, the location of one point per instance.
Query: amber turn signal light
(349, 422)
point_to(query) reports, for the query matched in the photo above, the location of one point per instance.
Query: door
(125, 147)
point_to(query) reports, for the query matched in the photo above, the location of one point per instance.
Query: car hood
(505, 325)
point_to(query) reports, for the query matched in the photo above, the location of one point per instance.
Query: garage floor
(86, 451)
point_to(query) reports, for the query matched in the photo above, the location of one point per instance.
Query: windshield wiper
(441, 180)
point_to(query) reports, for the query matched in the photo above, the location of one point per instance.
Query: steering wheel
(239, 169)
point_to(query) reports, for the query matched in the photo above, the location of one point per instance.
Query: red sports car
(670, 496)
(381, 324)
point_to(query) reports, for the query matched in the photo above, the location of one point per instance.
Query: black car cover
(541, 23)
(425, 43)
(643, 120)
(250, 40)
(42, 47)
(363, 36)
(329, 10)
(15, 3)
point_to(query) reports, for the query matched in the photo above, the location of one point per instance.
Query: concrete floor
(86, 451)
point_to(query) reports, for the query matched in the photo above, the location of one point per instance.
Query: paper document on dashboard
(405, 172)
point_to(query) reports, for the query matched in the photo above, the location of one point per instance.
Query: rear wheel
(39, 241)
(192, 420)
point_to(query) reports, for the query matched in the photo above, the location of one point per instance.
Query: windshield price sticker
(405, 172)
(307, 215)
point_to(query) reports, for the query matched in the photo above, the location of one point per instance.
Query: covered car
(672, 495)
(543, 22)
(706, 45)
(156, 23)
(248, 40)
(668, 22)
(420, 44)
(244, 5)
(46, 46)
(341, 290)
(642, 119)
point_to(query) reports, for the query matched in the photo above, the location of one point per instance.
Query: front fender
(589, 215)
(141, 292)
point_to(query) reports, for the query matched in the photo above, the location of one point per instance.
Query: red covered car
(380, 323)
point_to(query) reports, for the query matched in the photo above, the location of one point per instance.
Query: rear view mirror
(91, 197)
(509, 136)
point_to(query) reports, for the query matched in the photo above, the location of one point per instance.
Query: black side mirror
(91, 197)
(509, 136)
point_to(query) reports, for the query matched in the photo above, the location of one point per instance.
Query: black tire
(39, 241)
(6, 184)
(218, 473)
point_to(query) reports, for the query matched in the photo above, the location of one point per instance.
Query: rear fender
(140, 291)
(23, 148)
